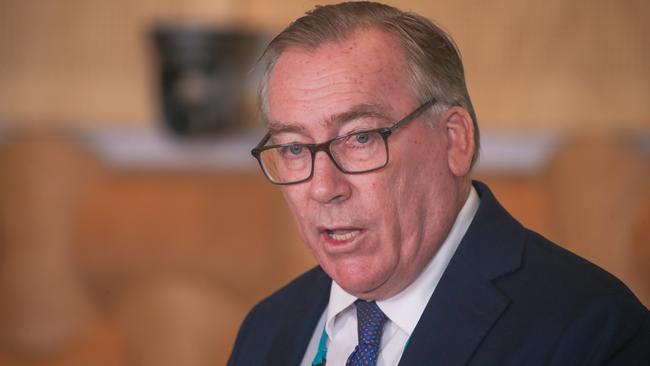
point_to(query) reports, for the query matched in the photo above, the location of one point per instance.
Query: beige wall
(535, 64)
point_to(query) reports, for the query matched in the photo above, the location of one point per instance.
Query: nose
(328, 184)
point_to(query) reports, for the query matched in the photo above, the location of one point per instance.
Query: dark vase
(203, 75)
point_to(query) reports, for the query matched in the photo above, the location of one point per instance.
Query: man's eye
(296, 149)
(362, 137)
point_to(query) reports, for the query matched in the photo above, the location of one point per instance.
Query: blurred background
(135, 228)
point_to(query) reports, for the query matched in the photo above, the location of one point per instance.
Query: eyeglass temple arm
(257, 147)
(414, 114)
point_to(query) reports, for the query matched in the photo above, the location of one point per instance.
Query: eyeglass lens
(354, 153)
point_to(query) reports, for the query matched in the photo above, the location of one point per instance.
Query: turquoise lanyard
(321, 355)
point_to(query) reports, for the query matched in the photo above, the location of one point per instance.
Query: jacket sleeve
(636, 351)
(608, 332)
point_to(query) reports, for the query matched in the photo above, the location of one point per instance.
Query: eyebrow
(357, 111)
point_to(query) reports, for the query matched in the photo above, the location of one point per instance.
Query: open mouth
(342, 235)
(339, 236)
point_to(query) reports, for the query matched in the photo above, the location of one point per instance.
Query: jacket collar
(466, 304)
(301, 318)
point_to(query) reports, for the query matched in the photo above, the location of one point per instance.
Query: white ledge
(147, 149)
(503, 153)
(516, 153)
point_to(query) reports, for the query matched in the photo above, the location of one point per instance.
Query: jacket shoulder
(585, 314)
(562, 308)
(292, 310)
(567, 273)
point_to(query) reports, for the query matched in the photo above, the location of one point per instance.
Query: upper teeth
(343, 236)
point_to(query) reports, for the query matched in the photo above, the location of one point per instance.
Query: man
(372, 137)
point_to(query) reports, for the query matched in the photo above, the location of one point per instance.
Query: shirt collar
(416, 296)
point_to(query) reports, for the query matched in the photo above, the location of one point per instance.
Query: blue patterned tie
(370, 323)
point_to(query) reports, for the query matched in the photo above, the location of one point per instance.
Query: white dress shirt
(340, 316)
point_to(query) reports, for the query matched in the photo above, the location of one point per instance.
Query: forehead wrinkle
(358, 111)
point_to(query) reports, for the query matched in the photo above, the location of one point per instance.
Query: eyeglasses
(355, 153)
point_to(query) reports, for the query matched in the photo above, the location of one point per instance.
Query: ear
(460, 140)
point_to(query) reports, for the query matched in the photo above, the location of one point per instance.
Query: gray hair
(434, 62)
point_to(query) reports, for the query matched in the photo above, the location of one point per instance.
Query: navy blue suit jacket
(508, 297)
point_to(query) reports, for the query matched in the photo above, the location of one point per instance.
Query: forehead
(311, 86)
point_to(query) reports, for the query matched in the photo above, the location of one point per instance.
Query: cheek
(378, 194)
(297, 203)
(383, 201)
(417, 191)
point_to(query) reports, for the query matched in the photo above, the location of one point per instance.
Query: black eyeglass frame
(385, 132)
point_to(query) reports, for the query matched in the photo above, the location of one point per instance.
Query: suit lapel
(466, 304)
(460, 313)
(291, 342)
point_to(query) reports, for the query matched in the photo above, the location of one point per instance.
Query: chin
(360, 286)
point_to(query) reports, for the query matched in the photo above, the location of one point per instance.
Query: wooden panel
(598, 187)
(225, 227)
(102, 345)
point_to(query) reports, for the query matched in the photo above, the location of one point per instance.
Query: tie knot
(370, 322)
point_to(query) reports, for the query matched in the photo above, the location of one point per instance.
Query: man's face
(373, 233)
